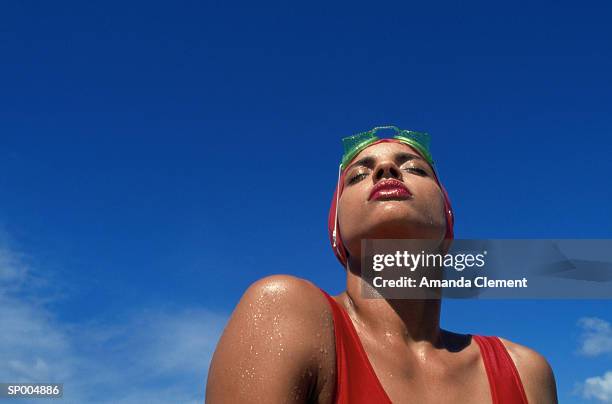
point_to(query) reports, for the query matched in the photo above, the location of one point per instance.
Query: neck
(411, 320)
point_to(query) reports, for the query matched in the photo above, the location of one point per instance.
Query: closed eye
(417, 170)
(357, 178)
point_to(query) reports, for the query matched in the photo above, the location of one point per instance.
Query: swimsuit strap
(504, 379)
(356, 381)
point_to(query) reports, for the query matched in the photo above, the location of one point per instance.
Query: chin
(398, 219)
(393, 220)
(396, 229)
(401, 228)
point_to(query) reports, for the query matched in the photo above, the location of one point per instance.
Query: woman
(289, 341)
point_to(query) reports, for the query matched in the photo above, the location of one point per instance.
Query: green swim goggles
(356, 143)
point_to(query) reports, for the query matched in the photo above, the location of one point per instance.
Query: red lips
(389, 189)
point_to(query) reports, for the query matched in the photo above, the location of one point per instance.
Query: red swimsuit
(357, 383)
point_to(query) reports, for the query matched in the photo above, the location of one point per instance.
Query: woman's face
(390, 192)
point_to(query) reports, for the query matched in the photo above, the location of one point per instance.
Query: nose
(387, 169)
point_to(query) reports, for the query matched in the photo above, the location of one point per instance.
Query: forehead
(385, 149)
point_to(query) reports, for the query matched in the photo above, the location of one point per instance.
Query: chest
(428, 377)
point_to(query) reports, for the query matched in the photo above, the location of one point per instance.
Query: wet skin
(278, 346)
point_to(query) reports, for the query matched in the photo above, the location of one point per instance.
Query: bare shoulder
(273, 344)
(293, 300)
(527, 360)
(287, 292)
(535, 372)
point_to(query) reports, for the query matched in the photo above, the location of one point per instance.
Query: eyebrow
(400, 157)
(366, 161)
(403, 157)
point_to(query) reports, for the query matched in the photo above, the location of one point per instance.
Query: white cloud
(596, 337)
(29, 341)
(157, 355)
(599, 388)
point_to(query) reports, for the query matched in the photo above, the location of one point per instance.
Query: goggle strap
(337, 199)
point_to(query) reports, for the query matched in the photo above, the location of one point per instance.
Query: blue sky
(157, 158)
